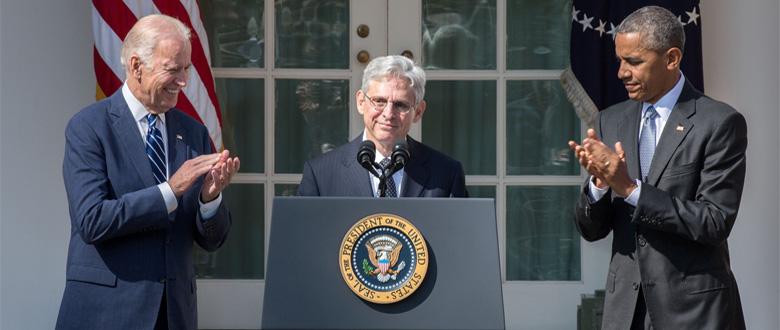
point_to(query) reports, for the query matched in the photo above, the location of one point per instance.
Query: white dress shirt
(207, 210)
(398, 177)
(664, 107)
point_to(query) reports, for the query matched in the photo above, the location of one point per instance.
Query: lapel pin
(178, 136)
(680, 128)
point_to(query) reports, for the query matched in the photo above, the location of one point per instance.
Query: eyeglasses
(379, 104)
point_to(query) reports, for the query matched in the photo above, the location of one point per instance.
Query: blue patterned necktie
(391, 191)
(647, 142)
(154, 149)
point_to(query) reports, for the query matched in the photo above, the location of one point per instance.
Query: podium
(304, 287)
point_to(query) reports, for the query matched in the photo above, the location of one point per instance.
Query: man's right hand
(191, 171)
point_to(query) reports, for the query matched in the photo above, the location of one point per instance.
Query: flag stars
(574, 14)
(586, 22)
(611, 29)
(601, 28)
(692, 16)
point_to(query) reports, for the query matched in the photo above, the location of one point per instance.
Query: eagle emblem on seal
(383, 251)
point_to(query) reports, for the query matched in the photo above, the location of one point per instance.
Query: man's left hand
(219, 176)
(607, 165)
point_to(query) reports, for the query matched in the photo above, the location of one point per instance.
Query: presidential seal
(383, 258)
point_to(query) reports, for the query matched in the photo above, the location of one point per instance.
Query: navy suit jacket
(673, 244)
(428, 173)
(125, 249)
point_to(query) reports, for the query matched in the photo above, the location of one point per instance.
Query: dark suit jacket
(429, 173)
(125, 249)
(674, 242)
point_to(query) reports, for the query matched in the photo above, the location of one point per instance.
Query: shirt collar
(666, 103)
(136, 107)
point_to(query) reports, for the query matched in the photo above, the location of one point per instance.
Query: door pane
(538, 34)
(312, 117)
(285, 189)
(482, 191)
(312, 34)
(459, 34)
(242, 102)
(236, 32)
(460, 120)
(542, 243)
(540, 122)
(241, 257)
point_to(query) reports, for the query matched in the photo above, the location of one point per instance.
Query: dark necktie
(391, 192)
(154, 149)
(647, 142)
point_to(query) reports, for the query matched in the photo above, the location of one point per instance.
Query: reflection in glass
(459, 34)
(540, 122)
(242, 103)
(542, 243)
(285, 189)
(482, 191)
(242, 255)
(460, 120)
(312, 117)
(538, 34)
(312, 34)
(235, 29)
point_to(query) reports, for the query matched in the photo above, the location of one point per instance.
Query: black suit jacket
(125, 249)
(429, 173)
(674, 242)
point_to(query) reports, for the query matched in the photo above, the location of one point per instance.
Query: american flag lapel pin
(680, 128)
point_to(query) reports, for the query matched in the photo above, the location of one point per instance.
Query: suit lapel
(677, 127)
(415, 173)
(627, 134)
(126, 129)
(177, 149)
(357, 180)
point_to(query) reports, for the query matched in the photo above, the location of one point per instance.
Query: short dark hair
(660, 30)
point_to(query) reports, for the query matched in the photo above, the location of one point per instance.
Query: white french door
(287, 71)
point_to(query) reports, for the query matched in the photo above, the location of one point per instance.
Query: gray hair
(659, 28)
(395, 66)
(147, 32)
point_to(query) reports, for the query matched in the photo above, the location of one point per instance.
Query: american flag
(591, 83)
(112, 19)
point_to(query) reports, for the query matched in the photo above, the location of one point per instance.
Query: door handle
(408, 54)
(363, 57)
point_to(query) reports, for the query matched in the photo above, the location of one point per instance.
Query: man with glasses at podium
(384, 161)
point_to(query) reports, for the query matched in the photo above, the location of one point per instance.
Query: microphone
(399, 157)
(365, 156)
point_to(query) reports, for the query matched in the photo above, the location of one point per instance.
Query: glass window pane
(482, 191)
(312, 34)
(540, 122)
(236, 32)
(459, 34)
(460, 120)
(542, 243)
(312, 117)
(285, 189)
(538, 34)
(241, 257)
(242, 102)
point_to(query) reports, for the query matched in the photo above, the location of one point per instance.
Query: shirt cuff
(170, 198)
(208, 210)
(633, 198)
(595, 193)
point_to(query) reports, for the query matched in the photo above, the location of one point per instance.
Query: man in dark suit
(669, 191)
(390, 100)
(142, 185)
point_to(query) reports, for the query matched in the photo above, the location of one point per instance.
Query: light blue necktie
(154, 149)
(391, 191)
(647, 142)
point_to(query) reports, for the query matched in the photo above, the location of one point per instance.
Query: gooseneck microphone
(366, 155)
(398, 158)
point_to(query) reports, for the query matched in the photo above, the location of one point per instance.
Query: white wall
(46, 76)
(46, 73)
(741, 66)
